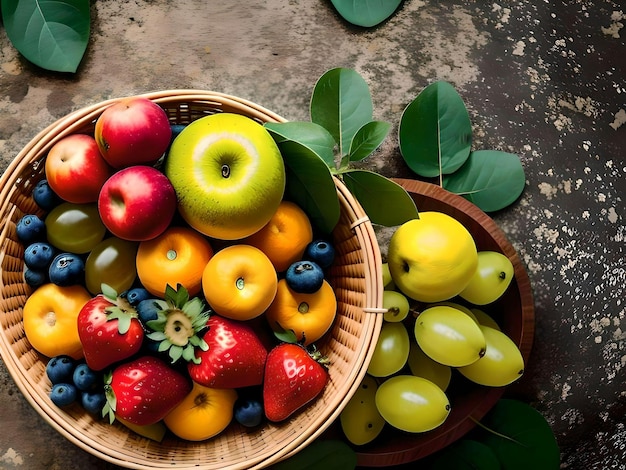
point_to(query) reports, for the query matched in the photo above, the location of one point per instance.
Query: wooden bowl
(356, 277)
(514, 312)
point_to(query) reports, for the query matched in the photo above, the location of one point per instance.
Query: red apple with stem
(137, 203)
(76, 170)
(133, 131)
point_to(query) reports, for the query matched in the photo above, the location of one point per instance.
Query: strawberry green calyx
(121, 310)
(108, 410)
(178, 323)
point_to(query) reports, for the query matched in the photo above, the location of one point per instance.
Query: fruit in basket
(304, 277)
(76, 170)
(44, 196)
(109, 330)
(293, 378)
(63, 394)
(202, 414)
(30, 228)
(39, 255)
(502, 363)
(235, 357)
(321, 252)
(111, 262)
(412, 404)
(391, 351)
(60, 369)
(449, 336)
(177, 256)
(50, 319)
(360, 419)
(66, 269)
(75, 228)
(309, 316)
(432, 258)
(178, 326)
(137, 203)
(85, 378)
(248, 411)
(491, 279)
(144, 390)
(228, 174)
(133, 131)
(239, 282)
(285, 237)
(93, 401)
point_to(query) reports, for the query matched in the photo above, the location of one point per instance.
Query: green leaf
(489, 178)
(310, 184)
(341, 103)
(366, 13)
(367, 139)
(465, 454)
(52, 34)
(519, 436)
(385, 202)
(321, 455)
(312, 136)
(435, 133)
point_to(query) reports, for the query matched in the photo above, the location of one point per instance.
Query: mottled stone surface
(544, 80)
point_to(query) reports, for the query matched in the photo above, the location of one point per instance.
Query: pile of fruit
(174, 287)
(436, 286)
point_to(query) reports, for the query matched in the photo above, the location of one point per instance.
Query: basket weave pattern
(356, 278)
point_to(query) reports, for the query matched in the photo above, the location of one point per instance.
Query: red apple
(133, 131)
(76, 170)
(137, 203)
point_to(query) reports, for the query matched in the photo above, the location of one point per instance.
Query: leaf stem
(496, 433)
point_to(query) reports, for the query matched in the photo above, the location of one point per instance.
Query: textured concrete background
(544, 80)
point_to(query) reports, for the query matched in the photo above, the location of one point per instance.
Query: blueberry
(30, 229)
(305, 277)
(136, 295)
(93, 401)
(35, 278)
(63, 394)
(66, 269)
(147, 310)
(60, 369)
(248, 412)
(320, 251)
(176, 129)
(39, 255)
(85, 378)
(44, 196)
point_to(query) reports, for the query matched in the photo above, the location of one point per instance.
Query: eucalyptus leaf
(311, 135)
(310, 184)
(322, 454)
(51, 34)
(465, 454)
(366, 13)
(435, 133)
(342, 104)
(491, 179)
(367, 139)
(520, 437)
(384, 201)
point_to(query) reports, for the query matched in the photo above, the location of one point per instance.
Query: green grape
(458, 306)
(449, 336)
(502, 363)
(423, 366)
(391, 351)
(75, 228)
(397, 306)
(387, 281)
(490, 280)
(484, 319)
(412, 404)
(360, 420)
(111, 262)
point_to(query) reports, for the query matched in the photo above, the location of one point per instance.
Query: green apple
(228, 175)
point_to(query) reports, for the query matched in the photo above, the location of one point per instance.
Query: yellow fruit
(432, 258)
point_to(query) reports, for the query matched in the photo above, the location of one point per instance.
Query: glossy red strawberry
(235, 357)
(109, 330)
(293, 378)
(144, 390)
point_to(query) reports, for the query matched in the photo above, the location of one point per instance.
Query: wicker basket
(356, 278)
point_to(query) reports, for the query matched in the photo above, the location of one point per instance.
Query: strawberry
(235, 357)
(144, 390)
(109, 330)
(293, 378)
